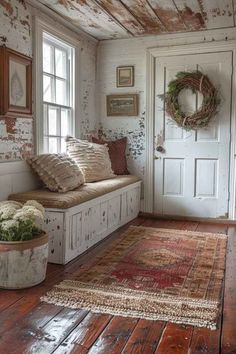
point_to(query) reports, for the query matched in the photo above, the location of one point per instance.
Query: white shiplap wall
(16, 176)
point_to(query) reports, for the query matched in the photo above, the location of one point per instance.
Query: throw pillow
(93, 159)
(117, 153)
(57, 171)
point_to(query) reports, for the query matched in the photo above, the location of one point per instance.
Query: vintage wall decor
(122, 105)
(15, 83)
(125, 76)
(197, 82)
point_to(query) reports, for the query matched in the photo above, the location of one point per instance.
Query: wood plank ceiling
(110, 19)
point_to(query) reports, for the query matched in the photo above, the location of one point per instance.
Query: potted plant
(23, 244)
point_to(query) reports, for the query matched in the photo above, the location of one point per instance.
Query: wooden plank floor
(29, 326)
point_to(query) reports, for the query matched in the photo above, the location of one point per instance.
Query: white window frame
(41, 27)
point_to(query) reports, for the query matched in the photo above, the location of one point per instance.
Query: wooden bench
(77, 220)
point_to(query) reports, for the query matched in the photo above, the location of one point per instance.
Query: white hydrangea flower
(13, 214)
(33, 210)
(35, 204)
(23, 215)
(30, 213)
(8, 224)
(7, 212)
(16, 205)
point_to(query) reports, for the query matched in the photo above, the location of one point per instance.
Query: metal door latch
(160, 148)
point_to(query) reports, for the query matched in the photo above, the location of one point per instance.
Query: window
(58, 93)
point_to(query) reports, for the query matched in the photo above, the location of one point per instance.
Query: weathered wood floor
(28, 326)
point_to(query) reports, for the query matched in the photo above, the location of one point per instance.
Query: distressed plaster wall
(113, 53)
(16, 135)
(88, 114)
(16, 27)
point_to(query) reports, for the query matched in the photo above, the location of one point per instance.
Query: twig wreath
(197, 82)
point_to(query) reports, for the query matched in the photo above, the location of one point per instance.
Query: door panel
(173, 176)
(192, 170)
(206, 178)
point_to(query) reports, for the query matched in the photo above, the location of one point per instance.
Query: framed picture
(125, 76)
(122, 105)
(15, 83)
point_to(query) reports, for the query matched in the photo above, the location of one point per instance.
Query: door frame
(151, 55)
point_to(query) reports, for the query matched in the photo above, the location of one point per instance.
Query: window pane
(45, 144)
(47, 88)
(45, 119)
(61, 92)
(47, 58)
(65, 122)
(60, 57)
(53, 146)
(63, 145)
(52, 121)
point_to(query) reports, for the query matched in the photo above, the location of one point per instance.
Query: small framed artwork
(15, 83)
(122, 105)
(125, 76)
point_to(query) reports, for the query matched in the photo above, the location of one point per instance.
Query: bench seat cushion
(80, 195)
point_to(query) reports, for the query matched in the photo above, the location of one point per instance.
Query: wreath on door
(197, 82)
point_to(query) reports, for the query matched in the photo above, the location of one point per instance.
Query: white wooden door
(192, 172)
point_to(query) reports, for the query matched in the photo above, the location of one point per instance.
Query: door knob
(160, 148)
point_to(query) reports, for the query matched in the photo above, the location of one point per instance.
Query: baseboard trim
(186, 218)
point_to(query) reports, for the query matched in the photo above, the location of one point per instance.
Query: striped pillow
(57, 171)
(93, 159)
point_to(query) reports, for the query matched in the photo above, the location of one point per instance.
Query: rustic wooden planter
(23, 263)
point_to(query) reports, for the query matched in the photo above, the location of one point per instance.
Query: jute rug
(156, 274)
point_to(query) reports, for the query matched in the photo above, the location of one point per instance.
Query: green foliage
(173, 88)
(20, 222)
(182, 74)
(25, 230)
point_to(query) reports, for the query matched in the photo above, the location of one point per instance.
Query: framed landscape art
(15, 83)
(125, 76)
(122, 105)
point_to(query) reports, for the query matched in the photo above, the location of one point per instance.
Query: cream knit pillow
(58, 171)
(93, 159)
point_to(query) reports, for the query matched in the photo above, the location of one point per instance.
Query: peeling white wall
(17, 134)
(16, 27)
(88, 60)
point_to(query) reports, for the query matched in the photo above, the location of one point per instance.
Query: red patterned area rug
(154, 274)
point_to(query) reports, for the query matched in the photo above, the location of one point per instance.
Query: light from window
(58, 93)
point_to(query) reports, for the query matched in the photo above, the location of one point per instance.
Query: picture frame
(125, 76)
(15, 83)
(122, 105)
